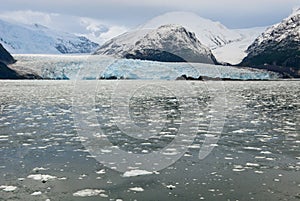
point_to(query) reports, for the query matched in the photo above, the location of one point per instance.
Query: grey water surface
(257, 157)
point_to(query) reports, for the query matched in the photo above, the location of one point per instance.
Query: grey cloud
(232, 13)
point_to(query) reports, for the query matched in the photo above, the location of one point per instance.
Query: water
(44, 154)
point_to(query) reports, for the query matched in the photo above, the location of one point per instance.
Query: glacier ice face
(94, 67)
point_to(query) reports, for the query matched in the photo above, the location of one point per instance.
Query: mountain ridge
(278, 46)
(38, 39)
(169, 43)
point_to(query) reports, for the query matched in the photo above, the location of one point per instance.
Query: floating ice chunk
(101, 171)
(41, 177)
(238, 170)
(106, 150)
(65, 111)
(170, 153)
(252, 165)
(36, 169)
(138, 189)
(253, 148)
(194, 146)
(170, 186)
(134, 173)
(266, 152)
(36, 193)
(89, 193)
(259, 172)
(8, 188)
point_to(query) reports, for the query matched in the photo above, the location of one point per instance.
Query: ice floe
(134, 173)
(90, 192)
(8, 188)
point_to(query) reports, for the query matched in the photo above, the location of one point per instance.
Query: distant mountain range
(173, 37)
(38, 39)
(227, 45)
(276, 49)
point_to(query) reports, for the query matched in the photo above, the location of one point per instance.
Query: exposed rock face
(9, 73)
(168, 43)
(278, 48)
(5, 56)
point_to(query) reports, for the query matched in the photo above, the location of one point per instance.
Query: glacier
(86, 67)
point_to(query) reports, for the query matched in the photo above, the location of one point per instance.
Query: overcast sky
(130, 13)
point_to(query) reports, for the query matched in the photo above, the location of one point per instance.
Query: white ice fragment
(252, 148)
(170, 186)
(252, 165)
(101, 171)
(258, 172)
(133, 173)
(36, 193)
(8, 188)
(89, 193)
(41, 177)
(138, 189)
(238, 170)
(36, 169)
(266, 152)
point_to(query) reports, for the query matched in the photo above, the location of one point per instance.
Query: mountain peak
(210, 33)
(168, 43)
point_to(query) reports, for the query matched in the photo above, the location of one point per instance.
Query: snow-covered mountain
(279, 45)
(96, 30)
(169, 43)
(227, 45)
(38, 39)
(210, 33)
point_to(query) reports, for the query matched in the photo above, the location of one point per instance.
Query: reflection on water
(257, 156)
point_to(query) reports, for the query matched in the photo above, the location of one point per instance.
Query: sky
(130, 13)
(101, 20)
